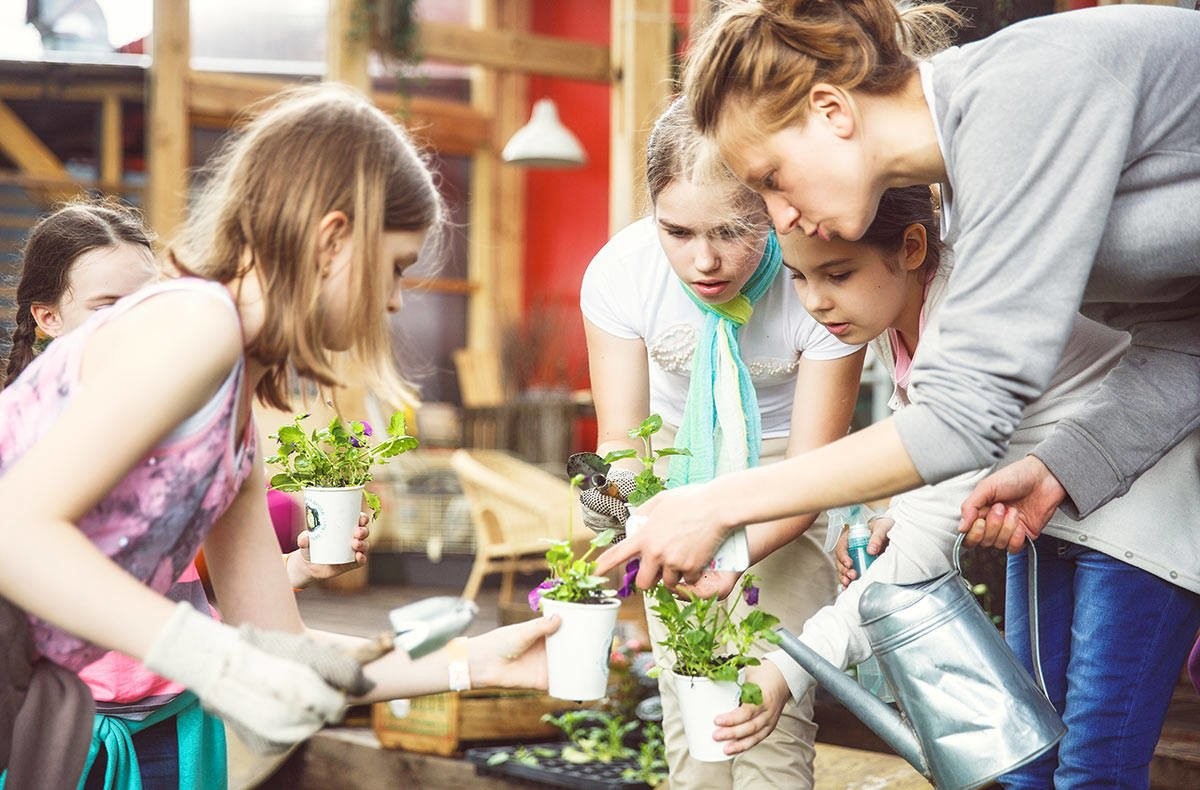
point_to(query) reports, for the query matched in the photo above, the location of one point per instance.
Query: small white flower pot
(577, 653)
(330, 515)
(700, 701)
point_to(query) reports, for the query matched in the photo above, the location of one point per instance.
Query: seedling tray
(555, 771)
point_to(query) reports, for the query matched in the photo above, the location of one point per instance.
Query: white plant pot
(577, 653)
(700, 701)
(330, 515)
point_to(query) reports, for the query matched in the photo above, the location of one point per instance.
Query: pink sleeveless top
(155, 519)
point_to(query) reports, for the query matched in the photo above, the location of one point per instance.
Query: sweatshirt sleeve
(1145, 406)
(1031, 184)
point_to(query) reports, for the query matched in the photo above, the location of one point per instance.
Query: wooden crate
(446, 723)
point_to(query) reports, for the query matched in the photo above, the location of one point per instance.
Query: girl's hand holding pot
(676, 536)
(746, 725)
(513, 656)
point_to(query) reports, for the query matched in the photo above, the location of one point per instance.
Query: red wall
(567, 210)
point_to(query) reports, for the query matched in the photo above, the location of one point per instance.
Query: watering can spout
(881, 718)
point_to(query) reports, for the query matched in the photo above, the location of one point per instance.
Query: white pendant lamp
(544, 141)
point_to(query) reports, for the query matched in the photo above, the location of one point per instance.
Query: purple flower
(751, 595)
(535, 595)
(354, 442)
(627, 587)
(366, 428)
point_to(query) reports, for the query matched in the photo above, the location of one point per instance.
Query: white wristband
(459, 666)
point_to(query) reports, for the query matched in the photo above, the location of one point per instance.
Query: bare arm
(686, 525)
(242, 552)
(133, 391)
(620, 378)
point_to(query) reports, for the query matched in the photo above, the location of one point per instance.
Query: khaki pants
(795, 582)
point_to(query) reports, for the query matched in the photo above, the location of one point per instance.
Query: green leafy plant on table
(651, 758)
(596, 736)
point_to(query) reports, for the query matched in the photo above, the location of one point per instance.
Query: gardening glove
(607, 506)
(270, 701)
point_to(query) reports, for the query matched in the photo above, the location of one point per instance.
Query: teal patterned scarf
(721, 423)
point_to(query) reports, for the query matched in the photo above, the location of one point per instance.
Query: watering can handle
(1031, 593)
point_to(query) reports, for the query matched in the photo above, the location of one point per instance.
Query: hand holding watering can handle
(1031, 594)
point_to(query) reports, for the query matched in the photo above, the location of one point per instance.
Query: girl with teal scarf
(689, 314)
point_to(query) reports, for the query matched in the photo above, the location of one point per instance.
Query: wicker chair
(515, 507)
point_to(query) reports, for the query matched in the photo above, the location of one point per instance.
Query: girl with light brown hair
(128, 443)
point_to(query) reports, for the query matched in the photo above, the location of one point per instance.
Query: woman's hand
(745, 726)
(880, 527)
(513, 656)
(1010, 503)
(676, 535)
(303, 572)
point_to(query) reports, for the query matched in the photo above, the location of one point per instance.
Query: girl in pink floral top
(126, 445)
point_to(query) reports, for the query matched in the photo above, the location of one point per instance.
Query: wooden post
(347, 46)
(495, 260)
(168, 132)
(111, 153)
(641, 59)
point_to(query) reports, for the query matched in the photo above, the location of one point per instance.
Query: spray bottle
(855, 519)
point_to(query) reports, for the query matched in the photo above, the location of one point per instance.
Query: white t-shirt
(630, 291)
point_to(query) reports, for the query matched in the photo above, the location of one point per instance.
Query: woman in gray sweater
(1069, 156)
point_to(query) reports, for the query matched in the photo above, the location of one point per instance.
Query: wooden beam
(95, 92)
(515, 51)
(34, 159)
(168, 136)
(495, 258)
(216, 99)
(346, 47)
(641, 44)
(112, 148)
(25, 149)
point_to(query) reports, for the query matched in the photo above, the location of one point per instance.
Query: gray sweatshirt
(1072, 145)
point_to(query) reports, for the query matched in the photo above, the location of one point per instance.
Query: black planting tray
(555, 771)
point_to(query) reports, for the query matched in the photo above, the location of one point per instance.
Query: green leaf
(373, 503)
(650, 426)
(725, 672)
(572, 755)
(604, 538)
(397, 425)
(674, 451)
(620, 455)
(290, 434)
(751, 693)
(284, 482)
(499, 758)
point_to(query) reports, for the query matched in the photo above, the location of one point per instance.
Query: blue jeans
(1113, 639)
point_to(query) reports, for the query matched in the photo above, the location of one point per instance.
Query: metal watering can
(969, 711)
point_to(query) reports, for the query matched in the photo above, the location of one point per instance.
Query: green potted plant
(332, 466)
(577, 653)
(706, 651)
